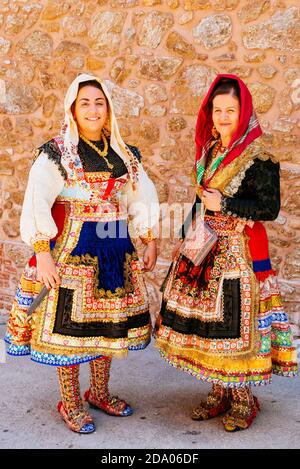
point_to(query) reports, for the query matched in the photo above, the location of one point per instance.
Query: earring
(214, 132)
(106, 128)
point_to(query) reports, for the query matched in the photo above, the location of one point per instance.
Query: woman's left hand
(150, 256)
(212, 199)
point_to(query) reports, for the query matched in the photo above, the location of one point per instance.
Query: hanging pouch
(199, 239)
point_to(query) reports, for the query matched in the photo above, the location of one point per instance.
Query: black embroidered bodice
(257, 199)
(90, 159)
(93, 162)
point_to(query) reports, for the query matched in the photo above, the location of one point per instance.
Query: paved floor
(162, 398)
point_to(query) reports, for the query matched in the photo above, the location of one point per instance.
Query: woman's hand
(150, 256)
(176, 248)
(46, 270)
(212, 199)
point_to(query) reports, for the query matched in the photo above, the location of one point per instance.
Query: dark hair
(93, 83)
(225, 86)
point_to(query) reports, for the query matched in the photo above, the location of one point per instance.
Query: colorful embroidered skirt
(100, 308)
(220, 324)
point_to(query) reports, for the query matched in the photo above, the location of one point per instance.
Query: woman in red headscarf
(223, 320)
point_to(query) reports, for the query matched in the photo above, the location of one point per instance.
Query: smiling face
(225, 116)
(90, 112)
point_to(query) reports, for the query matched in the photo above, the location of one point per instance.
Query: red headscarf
(247, 131)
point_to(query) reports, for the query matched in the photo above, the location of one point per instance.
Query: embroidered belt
(222, 224)
(87, 211)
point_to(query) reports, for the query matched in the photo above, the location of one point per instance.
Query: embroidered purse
(199, 239)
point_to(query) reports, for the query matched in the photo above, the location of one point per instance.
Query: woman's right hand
(176, 248)
(46, 270)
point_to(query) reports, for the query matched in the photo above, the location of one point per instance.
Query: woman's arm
(37, 224)
(44, 185)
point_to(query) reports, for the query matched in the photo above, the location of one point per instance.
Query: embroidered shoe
(216, 403)
(241, 415)
(78, 420)
(208, 410)
(111, 406)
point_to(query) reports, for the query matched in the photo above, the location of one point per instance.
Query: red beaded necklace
(218, 148)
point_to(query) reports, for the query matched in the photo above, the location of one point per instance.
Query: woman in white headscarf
(84, 187)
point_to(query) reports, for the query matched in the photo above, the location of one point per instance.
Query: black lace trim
(52, 151)
(135, 151)
(90, 159)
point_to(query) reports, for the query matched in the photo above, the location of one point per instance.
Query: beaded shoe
(78, 420)
(241, 415)
(111, 406)
(211, 408)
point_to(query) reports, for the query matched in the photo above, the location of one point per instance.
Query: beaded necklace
(102, 153)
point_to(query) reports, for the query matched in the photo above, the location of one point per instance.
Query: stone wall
(160, 58)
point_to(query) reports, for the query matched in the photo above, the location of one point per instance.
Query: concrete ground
(162, 398)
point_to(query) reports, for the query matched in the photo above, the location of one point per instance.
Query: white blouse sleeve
(44, 184)
(142, 205)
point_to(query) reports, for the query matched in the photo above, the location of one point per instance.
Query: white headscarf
(70, 137)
